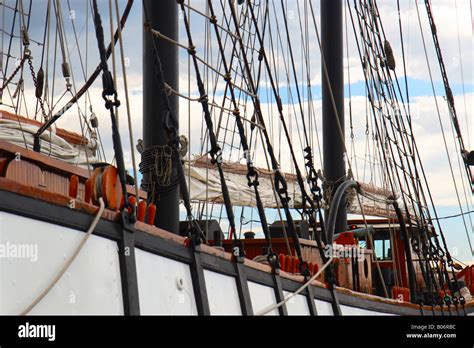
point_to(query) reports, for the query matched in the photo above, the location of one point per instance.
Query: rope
(194, 229)
(127, 101)
(68, 263)
(216, 152)
(452, 110)
(13, 74)
(8, 55)
(210, 18)
(91, 79)
(289, 297)
(114, 65)
(170, 90)
(453, 216)
(449, 93)
(62, 38)
(341, 134)
(159, 35)
(84, 74)
(441, 124)
(280, 182)
(252, 175)
(189, 114)
(376, 109)
(311, 178)
(108, 91)
(413, 154)
(69, 75)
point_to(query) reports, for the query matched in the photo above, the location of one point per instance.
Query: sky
(454, 26)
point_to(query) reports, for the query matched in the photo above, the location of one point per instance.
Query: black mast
(163, 16)
(333, 145)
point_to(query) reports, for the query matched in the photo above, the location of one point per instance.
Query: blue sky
(417, 88)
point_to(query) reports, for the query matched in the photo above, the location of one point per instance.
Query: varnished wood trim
(8, 149)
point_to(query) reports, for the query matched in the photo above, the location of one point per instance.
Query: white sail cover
(206, 185)
(53, 145)
(371, 207)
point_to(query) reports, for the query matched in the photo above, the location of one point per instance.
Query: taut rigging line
(252, 174)
(447, 88)
(86, 86)
(108, 92)
(216, 152)
(169, 124)
(312, 172)
(312, 178)
(280, 182)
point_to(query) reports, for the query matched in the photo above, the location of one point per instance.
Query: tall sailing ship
(247, 213)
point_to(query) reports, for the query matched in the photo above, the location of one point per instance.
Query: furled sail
(60, 144)
(205, 184)
(374, 202)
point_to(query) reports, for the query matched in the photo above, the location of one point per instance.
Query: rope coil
(157, 160)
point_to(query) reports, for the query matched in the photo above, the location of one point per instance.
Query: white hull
(92, 284)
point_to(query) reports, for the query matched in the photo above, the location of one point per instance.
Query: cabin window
(383, 248)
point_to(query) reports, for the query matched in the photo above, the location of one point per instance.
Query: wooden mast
(163, 16)
(333, 145)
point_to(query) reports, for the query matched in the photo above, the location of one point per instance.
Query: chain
(17, 69)
(35, 82)
(252, 173)
(280, 182)
(216, 151)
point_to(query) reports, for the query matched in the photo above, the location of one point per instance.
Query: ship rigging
(265, 173)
